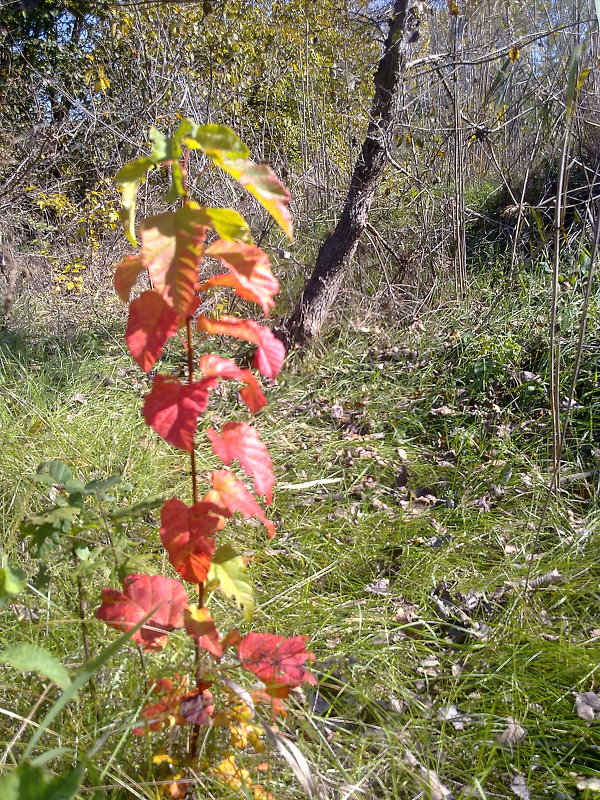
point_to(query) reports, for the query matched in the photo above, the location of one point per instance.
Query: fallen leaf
(587, 705)
(519, 787)
(512, 734)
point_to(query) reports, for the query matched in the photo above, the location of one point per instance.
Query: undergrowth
(452, 622)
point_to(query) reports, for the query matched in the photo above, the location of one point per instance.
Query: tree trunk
(335, 255)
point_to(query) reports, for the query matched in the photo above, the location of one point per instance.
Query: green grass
(355, 411)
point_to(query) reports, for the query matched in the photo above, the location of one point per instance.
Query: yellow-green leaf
(129, 178)
(217, 141)
(228, 573)
(228, 224)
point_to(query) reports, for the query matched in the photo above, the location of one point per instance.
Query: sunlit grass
(344, 420)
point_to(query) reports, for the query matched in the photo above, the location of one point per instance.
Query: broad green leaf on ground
(151, 322)
(172, 246)
(28, 782)
(12, 581)
(53, 473)
(270, 352)
(249, 272)
(228, 573)
(164, 597)
(238, 440)
(172, 408)
(27, 657)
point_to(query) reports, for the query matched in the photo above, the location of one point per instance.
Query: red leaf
(172, 245)
(277, 661)
(230, 495)
(151, 322)
(142, 594)
(239, 440)
(200, 625)
(126, 274)
(172, 408)
(196, 707)
(270, 352)
(187, 534)
(250, 272)
(252, 395)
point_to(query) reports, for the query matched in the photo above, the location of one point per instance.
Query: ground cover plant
(406, 518)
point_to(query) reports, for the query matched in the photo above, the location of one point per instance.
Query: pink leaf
(250, 272)
(270, 352)
(126, 274)
(239, 440)
(230, 495)
(151, 322)
(172, 408)
(199, 624)
(252, 395)
(187, 532)
(172, 246)
(141, 594)
(277, 661)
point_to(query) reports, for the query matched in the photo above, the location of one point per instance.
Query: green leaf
(53, 473)
(130, 512)
(228, 573)
(99, 487)
(163, 148)
(136, 564)
(129, 178)
(28, 782)
(28, 657)
(12, 581)
(228, 224)
(228, 152)
(177, 188)
(217, 141)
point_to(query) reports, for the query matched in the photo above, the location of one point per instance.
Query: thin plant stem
(195, 735)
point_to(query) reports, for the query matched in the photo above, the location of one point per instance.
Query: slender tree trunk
(335, 255)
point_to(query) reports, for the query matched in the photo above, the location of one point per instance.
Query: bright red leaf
(151, 322)
(230, 495)
(141, 594)
(270, 352)
(126, 274)
(252, 394)
(187, 532)
(172, 408)
(277, 661)
(239, 440)
(172, 246)
(249, 272)
(199, 624)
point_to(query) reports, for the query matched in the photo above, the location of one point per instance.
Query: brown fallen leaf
(519, 787)
(512, 734)
(587, 705)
